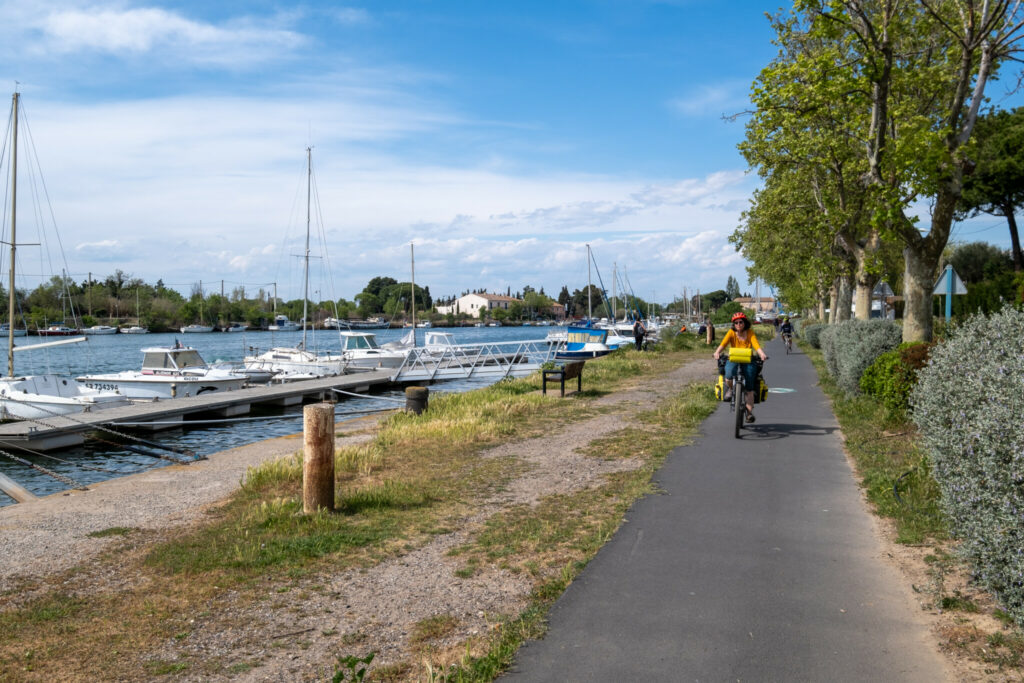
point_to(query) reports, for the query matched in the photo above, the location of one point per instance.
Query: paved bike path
(759, 562)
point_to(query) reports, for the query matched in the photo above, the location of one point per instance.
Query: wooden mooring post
(416, 399)
(318, 457)
(15, 490)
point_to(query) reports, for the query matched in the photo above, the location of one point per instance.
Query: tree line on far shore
(121, 299)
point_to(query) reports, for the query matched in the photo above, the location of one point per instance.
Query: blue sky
(499, 138)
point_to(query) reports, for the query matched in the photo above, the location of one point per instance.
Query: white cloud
(149, 30)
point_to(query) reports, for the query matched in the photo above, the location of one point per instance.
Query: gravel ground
(298, 635)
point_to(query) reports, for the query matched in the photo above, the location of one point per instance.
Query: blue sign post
(948, 284)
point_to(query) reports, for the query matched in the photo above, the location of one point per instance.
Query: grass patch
(111, 531)
(433, 628)
(893, 470)
(958, 602)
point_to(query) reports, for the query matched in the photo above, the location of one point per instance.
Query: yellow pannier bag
(740, 355)
(761, 395)
(720, 388)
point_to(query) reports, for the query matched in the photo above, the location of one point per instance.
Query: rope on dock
(379, 398)
(59, 477)
(181, 451)
(226, 420)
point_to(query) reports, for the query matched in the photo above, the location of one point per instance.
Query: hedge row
(850, 347)
(969, 406)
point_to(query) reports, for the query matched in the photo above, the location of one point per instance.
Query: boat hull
(137, 385)
(38, 397)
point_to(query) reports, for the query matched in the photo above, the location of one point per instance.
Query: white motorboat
(236, 327)
(237, 367)
(167, 372)
(360, 350)
(195, 327)
(36, 397)
(292, 364)
(5, 331)
(100, 329)
(283, 324)
(134, 329)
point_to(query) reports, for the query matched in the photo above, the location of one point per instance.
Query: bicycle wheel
(789, 345)
(740, 405)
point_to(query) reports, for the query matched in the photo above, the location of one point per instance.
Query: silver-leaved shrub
(849, 347)
(969, 407)
(812, 333)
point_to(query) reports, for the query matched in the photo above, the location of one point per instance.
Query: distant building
(764, 305)
(473, 304)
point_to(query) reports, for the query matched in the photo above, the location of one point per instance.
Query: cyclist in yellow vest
(741, 336)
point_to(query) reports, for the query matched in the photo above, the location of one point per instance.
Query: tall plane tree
(913, 74)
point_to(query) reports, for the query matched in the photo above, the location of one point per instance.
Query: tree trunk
(844, 299)
(921, 263)
(865, 280)
(833, 301)
(1018, 261)
(918, 282)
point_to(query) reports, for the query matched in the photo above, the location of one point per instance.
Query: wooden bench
(562, 372)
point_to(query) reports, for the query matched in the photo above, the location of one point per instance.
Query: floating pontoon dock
(70, 430)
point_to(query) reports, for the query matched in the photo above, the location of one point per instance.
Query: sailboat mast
(305, 269)
(590, 312)
(412, 288)
(14, 214)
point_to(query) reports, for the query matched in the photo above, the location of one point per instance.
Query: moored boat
(584, 343)
(283, 324)
(360, 350)
(195, 327)
(167, 372)
(36, 397)
(100, 329)
(58, 330)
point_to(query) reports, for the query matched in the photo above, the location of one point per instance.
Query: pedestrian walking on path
(757, 562)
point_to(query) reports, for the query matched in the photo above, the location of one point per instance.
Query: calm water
(100, 460)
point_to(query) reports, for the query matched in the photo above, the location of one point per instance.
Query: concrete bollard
(416, 399)
(318, 457)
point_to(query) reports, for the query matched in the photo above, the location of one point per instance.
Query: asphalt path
(759, 561)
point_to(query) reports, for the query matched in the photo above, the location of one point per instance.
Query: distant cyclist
(741, 336)
(786, 330)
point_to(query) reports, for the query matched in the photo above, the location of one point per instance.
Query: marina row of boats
(179, 371)
(281, 324)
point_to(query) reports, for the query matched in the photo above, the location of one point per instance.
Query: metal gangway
(462, 361)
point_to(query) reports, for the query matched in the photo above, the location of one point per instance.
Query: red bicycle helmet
(739, 316)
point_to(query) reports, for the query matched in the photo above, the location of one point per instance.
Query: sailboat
(297, 362)
(34, 397)
(584, 342)
(198, 327)
(136, 329)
